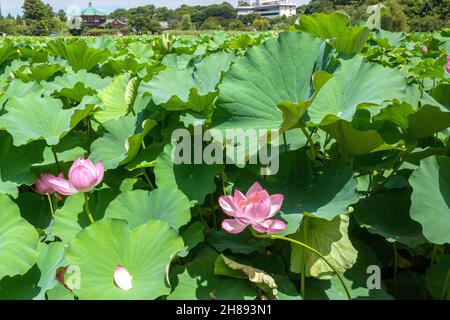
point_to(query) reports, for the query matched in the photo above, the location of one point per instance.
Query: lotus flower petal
(258, 211)
(276, 200)
(122, 278)
(256, 187)
(63, 186)
(233, 226)
(228, 205)
(42, 184)
(255, 208)
(269, 226)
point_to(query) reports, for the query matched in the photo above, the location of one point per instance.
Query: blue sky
(14, 6)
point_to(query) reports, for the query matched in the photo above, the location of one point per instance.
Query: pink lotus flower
(424, 49)
(448, 64)
(83, 177)
(122, 278)
(255, 208)
(42, 184)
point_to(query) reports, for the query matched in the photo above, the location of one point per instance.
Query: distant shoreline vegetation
(39, 19)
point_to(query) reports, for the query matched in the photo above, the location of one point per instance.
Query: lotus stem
(86, 206)
(304, 245)
(50, 203)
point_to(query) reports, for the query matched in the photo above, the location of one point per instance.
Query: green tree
(225, 11)
(120, 14)
(38, 16)
(261, 24)
(395, 20)
(186, 23)
(325, 6)
(249, 18)
(8, 26)
(212, 23)
(174, 24)
(236, 24)
(162, 14)
(62, 15)
(19, 20)
(139, 23)
(154, 26)
(35, 10)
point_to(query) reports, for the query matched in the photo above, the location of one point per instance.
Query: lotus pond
(96, 204)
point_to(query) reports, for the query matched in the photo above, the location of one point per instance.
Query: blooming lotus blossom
(122, 278)
(424, 49)
(83, 177)
(42, 184)
(448, 64)
(255, 208)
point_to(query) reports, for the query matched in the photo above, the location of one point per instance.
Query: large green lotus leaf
(184, 176)
(34, 54)
(122, 142)
(266, 271)
(278, 70)
(139, 206)
(437, 279)
(325, 194)
(7, 187)
(35, 209)
(71, 218)
(355, 141)
(114, 98)
(114, 66)
(78, 54)
(16, 162)
(242, 242)
(19, 88)
(209, 71)
(59, 292)
(197, 281)
(441, 94)
(66, 224)
(328, 237)
(18, 240)
(143, 52)
(146, 158)
(32, 117)
(170, 83)
(334, 27)
(431, 198)
(83, 110)
(387, 214)
(192, 88)
(38, 72)
(145, 252)
(20, 287)
(355, 279)
(392, 38)
(71, 147)
(76, 85)
(356, 83)
(51, 257)
(192, 235)
(396, 113)
(107, 43)
(428, 120)
(8, 52)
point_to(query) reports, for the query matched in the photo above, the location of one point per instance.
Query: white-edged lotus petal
(122, 278)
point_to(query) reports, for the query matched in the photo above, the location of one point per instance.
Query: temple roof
(91, 11)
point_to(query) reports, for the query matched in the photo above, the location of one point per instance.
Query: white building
(267, 8)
